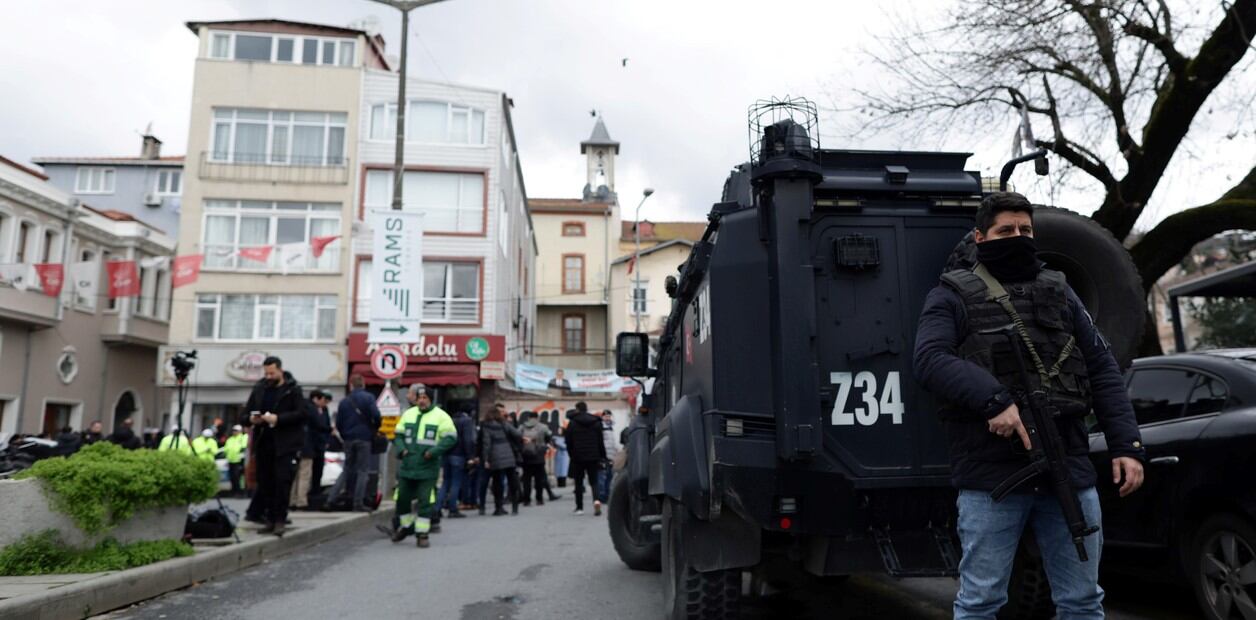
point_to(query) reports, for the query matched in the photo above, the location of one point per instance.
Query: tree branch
(1172, 57)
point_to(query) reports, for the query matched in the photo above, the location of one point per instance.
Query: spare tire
(1098, 268)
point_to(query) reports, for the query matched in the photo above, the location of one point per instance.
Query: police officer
(973, 374)
(205, 447)
(177, 440)
(423, 435)
(235, 448)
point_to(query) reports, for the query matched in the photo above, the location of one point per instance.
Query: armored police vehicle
(785, 430)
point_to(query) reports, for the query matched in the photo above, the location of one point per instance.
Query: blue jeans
(603, 485)
(454, 469)
(989, 533)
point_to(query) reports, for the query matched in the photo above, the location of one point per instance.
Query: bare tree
(1119, 82)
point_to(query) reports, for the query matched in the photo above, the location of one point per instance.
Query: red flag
(124, 279)
(259, 253)
(318, 244)
(187, 269)
(632, 262)
(52, 276)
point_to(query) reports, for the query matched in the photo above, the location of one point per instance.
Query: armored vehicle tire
(1098, 268)
(687, 593)
(625, 530)
(1028, 593)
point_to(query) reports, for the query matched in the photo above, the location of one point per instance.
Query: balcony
(225, 257)
(31, 306)
(257, 168)
(133, 330)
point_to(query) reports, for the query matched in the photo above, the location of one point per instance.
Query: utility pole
(399, 162)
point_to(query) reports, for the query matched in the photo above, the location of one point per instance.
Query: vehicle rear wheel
(1221, 565)
(687, 593)
(1028, 593)
(632, 544)
(1098, 268)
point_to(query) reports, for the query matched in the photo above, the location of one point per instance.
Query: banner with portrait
(532, 377)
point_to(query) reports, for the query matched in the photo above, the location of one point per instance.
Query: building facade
(147, 187)
(577, 239)
(269, 173)
(462, 171)
(80, 355)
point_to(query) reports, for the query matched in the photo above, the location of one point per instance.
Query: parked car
(333, 464)
(1195, 517)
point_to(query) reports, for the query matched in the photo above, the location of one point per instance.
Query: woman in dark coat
(499, 445)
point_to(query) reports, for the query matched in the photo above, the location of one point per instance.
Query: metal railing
(259, 168)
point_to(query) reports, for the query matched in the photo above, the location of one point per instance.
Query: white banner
(396, 276)
(85, 277)
(17, 275)
(292, 256)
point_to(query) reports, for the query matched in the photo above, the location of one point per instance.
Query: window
(148, 290)
(162, 312)
(503, 224)
(573, 229)
(258, 47)
(56, 417)
(234, 224)
(288, 318)
(49, 247)
(86, 298)
(433, 122)
(1209, 396)
(6, 234)
(249, 136)
(573, 273)
(25, 242)
(640, 298)
(168, 181)
(93, 180)
(452, 202)
(451, 292)
(384, 121)
(573, 333)
(1158, 394)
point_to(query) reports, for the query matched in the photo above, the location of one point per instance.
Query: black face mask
(1011, 259)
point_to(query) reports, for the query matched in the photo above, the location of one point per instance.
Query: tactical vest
(1040, 305)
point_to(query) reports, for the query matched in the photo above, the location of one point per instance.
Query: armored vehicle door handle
(1164, 460)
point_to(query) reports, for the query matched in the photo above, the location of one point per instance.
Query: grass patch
(45, 554)
(103, 484)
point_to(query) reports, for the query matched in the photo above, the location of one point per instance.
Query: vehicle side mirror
(632, 354)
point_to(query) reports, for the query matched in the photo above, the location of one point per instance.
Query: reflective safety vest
(419, 432)
(167, 443)
(205, 448)
(235, 447)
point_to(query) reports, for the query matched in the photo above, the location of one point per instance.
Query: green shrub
(45, 554)
(103, 484)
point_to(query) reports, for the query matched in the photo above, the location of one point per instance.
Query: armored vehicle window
(1159, 394)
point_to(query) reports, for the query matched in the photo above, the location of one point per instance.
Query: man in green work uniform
(177, 440)
(424, 433)
(235, 448)
(205, 447)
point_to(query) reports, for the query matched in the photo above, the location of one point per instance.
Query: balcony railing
(225, 257)
(260, 168)
(435, 310)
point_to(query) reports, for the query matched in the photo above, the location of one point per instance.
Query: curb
(123, 588)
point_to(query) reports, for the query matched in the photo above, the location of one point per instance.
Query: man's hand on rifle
(1009, 422)
(1133, 471)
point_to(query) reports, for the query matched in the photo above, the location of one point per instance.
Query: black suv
(1196, 513)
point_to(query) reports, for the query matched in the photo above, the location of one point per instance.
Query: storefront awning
(430, 374)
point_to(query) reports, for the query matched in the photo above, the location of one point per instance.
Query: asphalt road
(543, 564)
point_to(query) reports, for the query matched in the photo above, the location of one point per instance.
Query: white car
(333, 464)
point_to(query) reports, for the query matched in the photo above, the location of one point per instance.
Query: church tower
(600, 151)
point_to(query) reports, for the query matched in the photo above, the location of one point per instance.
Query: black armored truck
(782, 427)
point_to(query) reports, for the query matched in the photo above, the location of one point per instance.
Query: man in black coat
(317, 436)
(277, 412)
(588, 453)
(962, 357)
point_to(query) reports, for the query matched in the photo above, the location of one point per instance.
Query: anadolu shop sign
(445, 348)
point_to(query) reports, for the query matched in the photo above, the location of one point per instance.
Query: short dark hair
(998, 202)
(357, 381)
(271, 360)
(582, 407)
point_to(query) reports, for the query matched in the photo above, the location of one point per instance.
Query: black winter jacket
(466, 436)
(288, 435)
(499, 445)
(317, 431)
(584, 438)
(977, 396)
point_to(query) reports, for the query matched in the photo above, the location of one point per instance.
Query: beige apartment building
(576, 240)
(274, 121)
(81, 356)
(640, 301)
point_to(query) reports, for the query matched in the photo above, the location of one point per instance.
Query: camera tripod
(182, 364)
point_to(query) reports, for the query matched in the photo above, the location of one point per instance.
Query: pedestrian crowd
(446, 464)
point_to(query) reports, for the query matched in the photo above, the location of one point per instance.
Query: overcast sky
(84, 77)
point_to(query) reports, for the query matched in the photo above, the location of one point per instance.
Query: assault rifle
(1046, 450)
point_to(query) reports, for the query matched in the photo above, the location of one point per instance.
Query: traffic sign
(387, 402)
(388, 362)
(396, 276)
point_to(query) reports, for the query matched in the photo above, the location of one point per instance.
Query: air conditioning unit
(151, 199)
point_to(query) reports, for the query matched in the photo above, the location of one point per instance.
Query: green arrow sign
(399, 330)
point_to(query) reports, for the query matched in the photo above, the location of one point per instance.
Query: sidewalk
(57, 597)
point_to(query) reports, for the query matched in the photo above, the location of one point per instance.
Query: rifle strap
(997, 293)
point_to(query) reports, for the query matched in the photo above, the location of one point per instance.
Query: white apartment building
(462, 171)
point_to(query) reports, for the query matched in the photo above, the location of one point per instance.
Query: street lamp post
(636, 257)
(399, 164)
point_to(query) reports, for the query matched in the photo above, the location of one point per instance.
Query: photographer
(276, 410)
